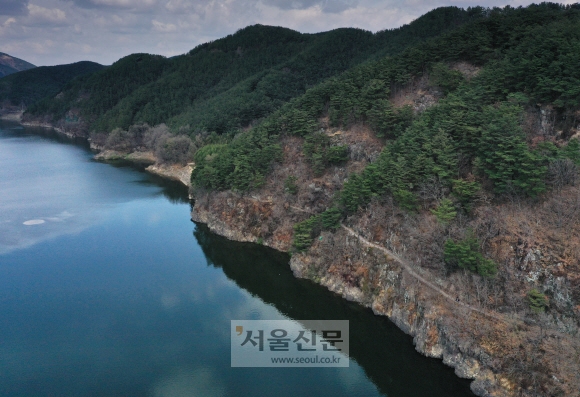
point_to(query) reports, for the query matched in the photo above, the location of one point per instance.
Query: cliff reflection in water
(386, 354)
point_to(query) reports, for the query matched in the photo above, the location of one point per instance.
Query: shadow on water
(384, 352)
(12, 128)
(175, 192)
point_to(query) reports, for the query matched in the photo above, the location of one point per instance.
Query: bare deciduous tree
(564, 209)
(432, 190)
(562, 172)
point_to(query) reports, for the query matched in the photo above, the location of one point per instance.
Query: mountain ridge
(228, 84)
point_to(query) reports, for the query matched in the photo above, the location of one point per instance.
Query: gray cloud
(119, 4)
(40, 16)
(13, 7)
(331, 6)
(338, 5)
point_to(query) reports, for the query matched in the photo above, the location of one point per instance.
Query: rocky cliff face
(411, 306)
(503, 353)
(439, 330)
(176, 172)
(481, 327)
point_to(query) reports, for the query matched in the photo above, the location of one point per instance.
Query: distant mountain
(10, 64)
(233, 82)
(28, 87)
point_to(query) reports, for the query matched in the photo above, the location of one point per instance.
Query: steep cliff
(390, 260)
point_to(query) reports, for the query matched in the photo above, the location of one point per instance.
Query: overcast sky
(51, 32)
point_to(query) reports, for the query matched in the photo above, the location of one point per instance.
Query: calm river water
(108, 289)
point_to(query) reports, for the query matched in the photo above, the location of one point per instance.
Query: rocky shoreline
(403, 305)
(404, 302)
(175, 172)
(481, 344)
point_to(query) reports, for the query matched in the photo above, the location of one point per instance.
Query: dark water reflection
(112, 295)
(386, 354)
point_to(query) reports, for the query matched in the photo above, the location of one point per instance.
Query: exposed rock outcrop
(482, 328)
(176, 172)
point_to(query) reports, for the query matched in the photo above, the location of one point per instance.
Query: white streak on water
(34, 222)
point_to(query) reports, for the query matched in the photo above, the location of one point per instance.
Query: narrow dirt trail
(420, 278)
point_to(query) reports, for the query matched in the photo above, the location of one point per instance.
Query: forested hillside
(28, 87)
(525, 56)
(233, 82)
(459, 159)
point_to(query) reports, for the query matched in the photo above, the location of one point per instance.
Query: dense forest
(233, 82)
(527, 56)
(27, 87)
(276, 82)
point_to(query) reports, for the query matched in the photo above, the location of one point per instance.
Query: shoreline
(414, 310)
(173, 172)
(478, 342)
(11, 116)
(399, 316)
(17, 117)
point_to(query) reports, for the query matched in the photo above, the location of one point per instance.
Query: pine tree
(466, 255)
(445, 212)
(444, 154)
(504, 156)
(465, 191)
(538, 301)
